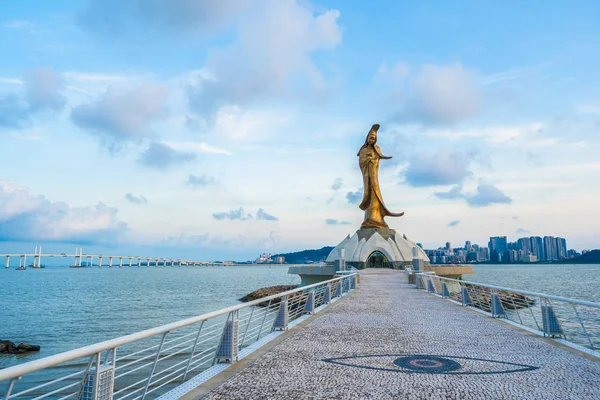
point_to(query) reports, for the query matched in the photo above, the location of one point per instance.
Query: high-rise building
(498, 247)
(561, 247)
(448, 246)
(550, 248)
(468, 245)
(537, 247)
(524, 246)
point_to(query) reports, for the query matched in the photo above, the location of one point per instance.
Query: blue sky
(218, 130)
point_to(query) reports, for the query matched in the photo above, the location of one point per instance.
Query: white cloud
(12, 81)
(123, 116)
(275, 42)
(443, 167)
(19, 24)
(395, 74)
(43, 89)
(159, 155)
(442, 94)
(27, 217)
(87, 77)
(495, 135)
(199, 147)
(237, 123)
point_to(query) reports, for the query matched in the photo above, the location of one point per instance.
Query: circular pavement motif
(431, 364)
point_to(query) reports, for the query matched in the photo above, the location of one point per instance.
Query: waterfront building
(550, 248)
(537, 247)
(529, 258)
(524, 245)
(561, 244)
(264, 258)
(280, 259)
(498, 247)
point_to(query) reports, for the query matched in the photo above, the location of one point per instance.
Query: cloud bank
(26, 217)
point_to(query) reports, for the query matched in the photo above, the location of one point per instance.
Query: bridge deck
(349, 351)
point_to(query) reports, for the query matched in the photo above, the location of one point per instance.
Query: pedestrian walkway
(389, 340)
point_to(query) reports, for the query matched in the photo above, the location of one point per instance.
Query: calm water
(63, 308)
(577, 281)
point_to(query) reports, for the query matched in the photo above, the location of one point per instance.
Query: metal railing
(576, 321)
(149, 363)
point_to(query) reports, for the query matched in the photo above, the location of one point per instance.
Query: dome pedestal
(376, 247)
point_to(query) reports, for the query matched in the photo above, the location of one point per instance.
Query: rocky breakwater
(6, 346)
(294, 299)
(482, 298)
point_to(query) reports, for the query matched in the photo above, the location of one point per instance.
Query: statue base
(376, 248)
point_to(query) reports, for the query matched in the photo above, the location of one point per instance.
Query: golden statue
(372, 202)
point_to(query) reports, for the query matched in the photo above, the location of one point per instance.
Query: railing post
(327, 295)
(11, 385)
(497, 309)
(162, 341)
(247, 326)
(228, 347)
(549, 320)
(187, 367)
(445, 293)
(309, 307)
(466, 298)
(281, 321)
(98, 384)
(345, 284)
(263, 320)
(583, 327)
(338, 289)
(430, 288)
(353, 282)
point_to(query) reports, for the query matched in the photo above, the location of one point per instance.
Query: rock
(28, 347)
(482, 298)
(267, 291)
(6, 346)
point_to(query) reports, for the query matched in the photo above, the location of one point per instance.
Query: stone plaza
(388, 340)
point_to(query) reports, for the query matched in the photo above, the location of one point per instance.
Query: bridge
(112, 260)
(366, 336)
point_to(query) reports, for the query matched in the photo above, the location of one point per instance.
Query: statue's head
(372, 136)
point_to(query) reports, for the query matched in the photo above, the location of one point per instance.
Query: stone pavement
(389, 340)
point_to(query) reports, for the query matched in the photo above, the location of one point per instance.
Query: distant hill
(590, 257)
(303, 256)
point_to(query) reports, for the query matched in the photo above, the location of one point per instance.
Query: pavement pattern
(388, 340)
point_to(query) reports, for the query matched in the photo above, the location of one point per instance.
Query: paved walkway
(376, 343)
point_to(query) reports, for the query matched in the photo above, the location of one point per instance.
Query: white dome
(357, 249)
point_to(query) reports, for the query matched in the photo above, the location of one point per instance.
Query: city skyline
(220, 130)
(499, 250)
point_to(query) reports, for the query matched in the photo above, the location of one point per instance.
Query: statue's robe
(372, 202)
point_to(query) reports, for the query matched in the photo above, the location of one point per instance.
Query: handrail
(525, 292)
(46, 362)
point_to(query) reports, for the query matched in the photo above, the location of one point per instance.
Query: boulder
(6, 346)
(267, 291)
(28, 347)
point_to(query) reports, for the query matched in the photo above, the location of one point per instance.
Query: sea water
(61, 308)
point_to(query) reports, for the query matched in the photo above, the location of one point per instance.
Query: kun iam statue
(372, 203)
